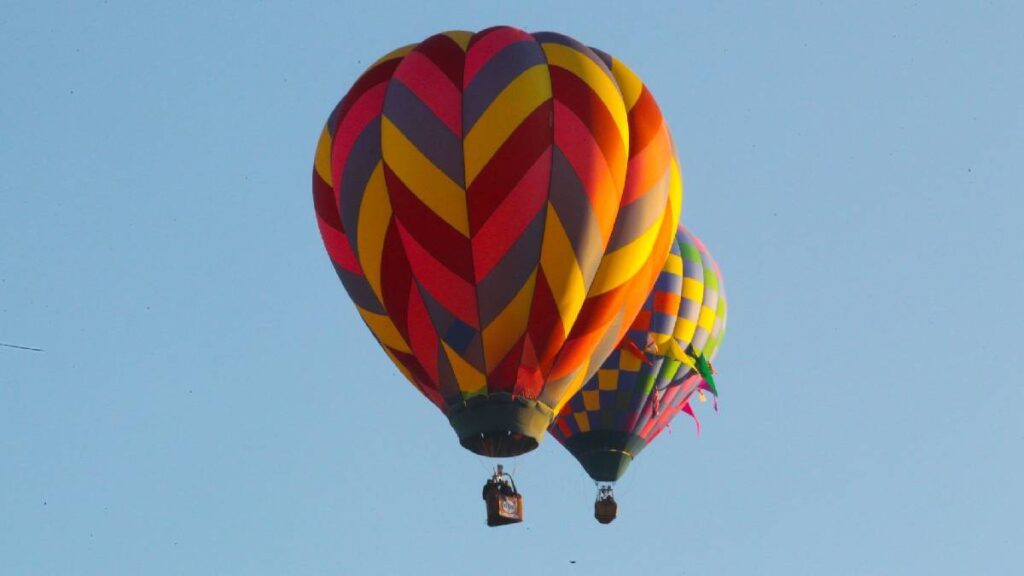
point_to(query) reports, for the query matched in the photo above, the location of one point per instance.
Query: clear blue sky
(209, 403)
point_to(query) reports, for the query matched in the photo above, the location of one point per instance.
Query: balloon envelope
(497, 206)
(651, 376)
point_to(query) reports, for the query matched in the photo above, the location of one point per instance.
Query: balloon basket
(605, 508)
(504, 502)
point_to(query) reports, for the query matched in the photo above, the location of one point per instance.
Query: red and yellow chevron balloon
(498, 205)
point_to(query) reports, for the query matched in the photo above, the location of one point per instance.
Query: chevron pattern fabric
(497, 205)
(651, 376)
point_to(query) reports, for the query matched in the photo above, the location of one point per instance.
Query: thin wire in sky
(22, 347)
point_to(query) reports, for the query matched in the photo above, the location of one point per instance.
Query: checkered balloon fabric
(654, 372)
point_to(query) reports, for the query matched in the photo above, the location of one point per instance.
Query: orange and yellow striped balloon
(498, 206)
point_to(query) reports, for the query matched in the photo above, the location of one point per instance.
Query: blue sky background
(209, 403)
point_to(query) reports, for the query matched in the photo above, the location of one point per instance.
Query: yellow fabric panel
(675, 189)
(620, 266)
(660, 339)
(674, 351)
(461, 37)
(322, 161)
(628, 362)
(505, 330)
(521, 97)
(385, 331)
(706, 319)
(558, 261)
(471, 381)
(693, 289)
(684, 330)
(629, 83)
(592, 74)
(591, 400)
(444, 197)
(582, 421)
(374, 216)
(673, 265)
(608, 379)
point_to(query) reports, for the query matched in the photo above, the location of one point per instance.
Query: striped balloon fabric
(654, 372)
(497, 205)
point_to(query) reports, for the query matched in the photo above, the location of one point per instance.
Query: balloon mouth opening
(500, 425)
(605, 465)
(499, 444)
(605, 454)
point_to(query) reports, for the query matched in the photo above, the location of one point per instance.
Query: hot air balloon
(652, 375)
(497, 205)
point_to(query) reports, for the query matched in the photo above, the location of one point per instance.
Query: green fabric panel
(648, 376)
(688, 251)
(704, 367)
(711, 278)
(669, 370)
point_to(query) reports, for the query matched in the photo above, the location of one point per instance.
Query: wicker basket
(503, 508)
(605, 510)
